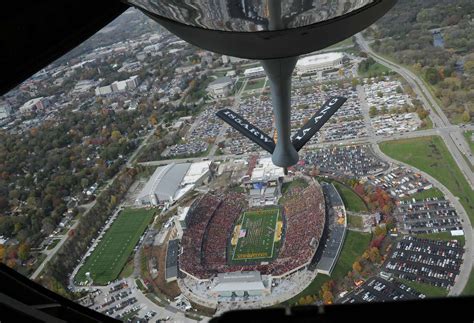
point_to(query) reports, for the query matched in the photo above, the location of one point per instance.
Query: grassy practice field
(112, 252)
(259, 241)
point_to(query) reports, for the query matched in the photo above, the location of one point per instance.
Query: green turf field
(112, 252)
(258, 243)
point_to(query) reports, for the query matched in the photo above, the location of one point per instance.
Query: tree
(23, 251)
(328, 297)
(2, 252)
(380, 230)
(466, 116)
(373, 111)
(84, 182)
(432, 75)
(374, 254)
(357, 266)
(116, 135)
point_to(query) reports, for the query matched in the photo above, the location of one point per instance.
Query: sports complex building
(171, 182)
(317, 63)
(235, 244)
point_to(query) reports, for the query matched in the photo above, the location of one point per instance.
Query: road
(374, 138)
(453, 138)
(221, 134)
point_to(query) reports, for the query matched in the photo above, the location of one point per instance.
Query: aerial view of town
(121, 189)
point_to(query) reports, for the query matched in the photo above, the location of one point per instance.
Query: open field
(374, 70)
(354, 246)
(430, 155)
(258, 244)
(255, 84)
(109, 257)
(351, 200)
(355, 221)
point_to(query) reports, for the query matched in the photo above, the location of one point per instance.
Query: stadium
(234, 247)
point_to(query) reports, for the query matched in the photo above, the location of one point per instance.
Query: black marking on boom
(317, 121)
(250, 131)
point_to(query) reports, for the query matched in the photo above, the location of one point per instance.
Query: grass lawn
(354, 246)
(374, 70)
(427, 289)
(433, 192)
(431, 155)
(127, 271)
(429, 124)
(468, 136)
(469, 289)
(258, 243)
(238, 85)
(109, 257)
(255, 84)
(351, 200)
(446, 236)
(344, 43)
(355, 221)
(53, 244)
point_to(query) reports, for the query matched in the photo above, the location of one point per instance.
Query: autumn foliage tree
(357, 266)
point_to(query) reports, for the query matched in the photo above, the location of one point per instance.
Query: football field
(257, 232)
(112, 252)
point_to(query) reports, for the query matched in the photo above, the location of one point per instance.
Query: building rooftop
(319, 59)
(165, 181)
(239, 281)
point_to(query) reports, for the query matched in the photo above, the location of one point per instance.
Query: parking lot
(401, 182)
(353, 161)
(431, 215)
(378, 289)
(427, 261)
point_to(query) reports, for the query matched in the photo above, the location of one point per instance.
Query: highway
(452, 137)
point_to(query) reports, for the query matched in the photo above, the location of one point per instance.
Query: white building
(266, 171)
(83, 86)
(118, 86)
(5, 110)
(171, 182)
(317, 63)
(254, 72)
(36, 103)
(221, 87)
(241, 284)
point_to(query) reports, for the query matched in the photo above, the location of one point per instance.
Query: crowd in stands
(197, 222)
(212, 219)
(220, 230)
(304, 212)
